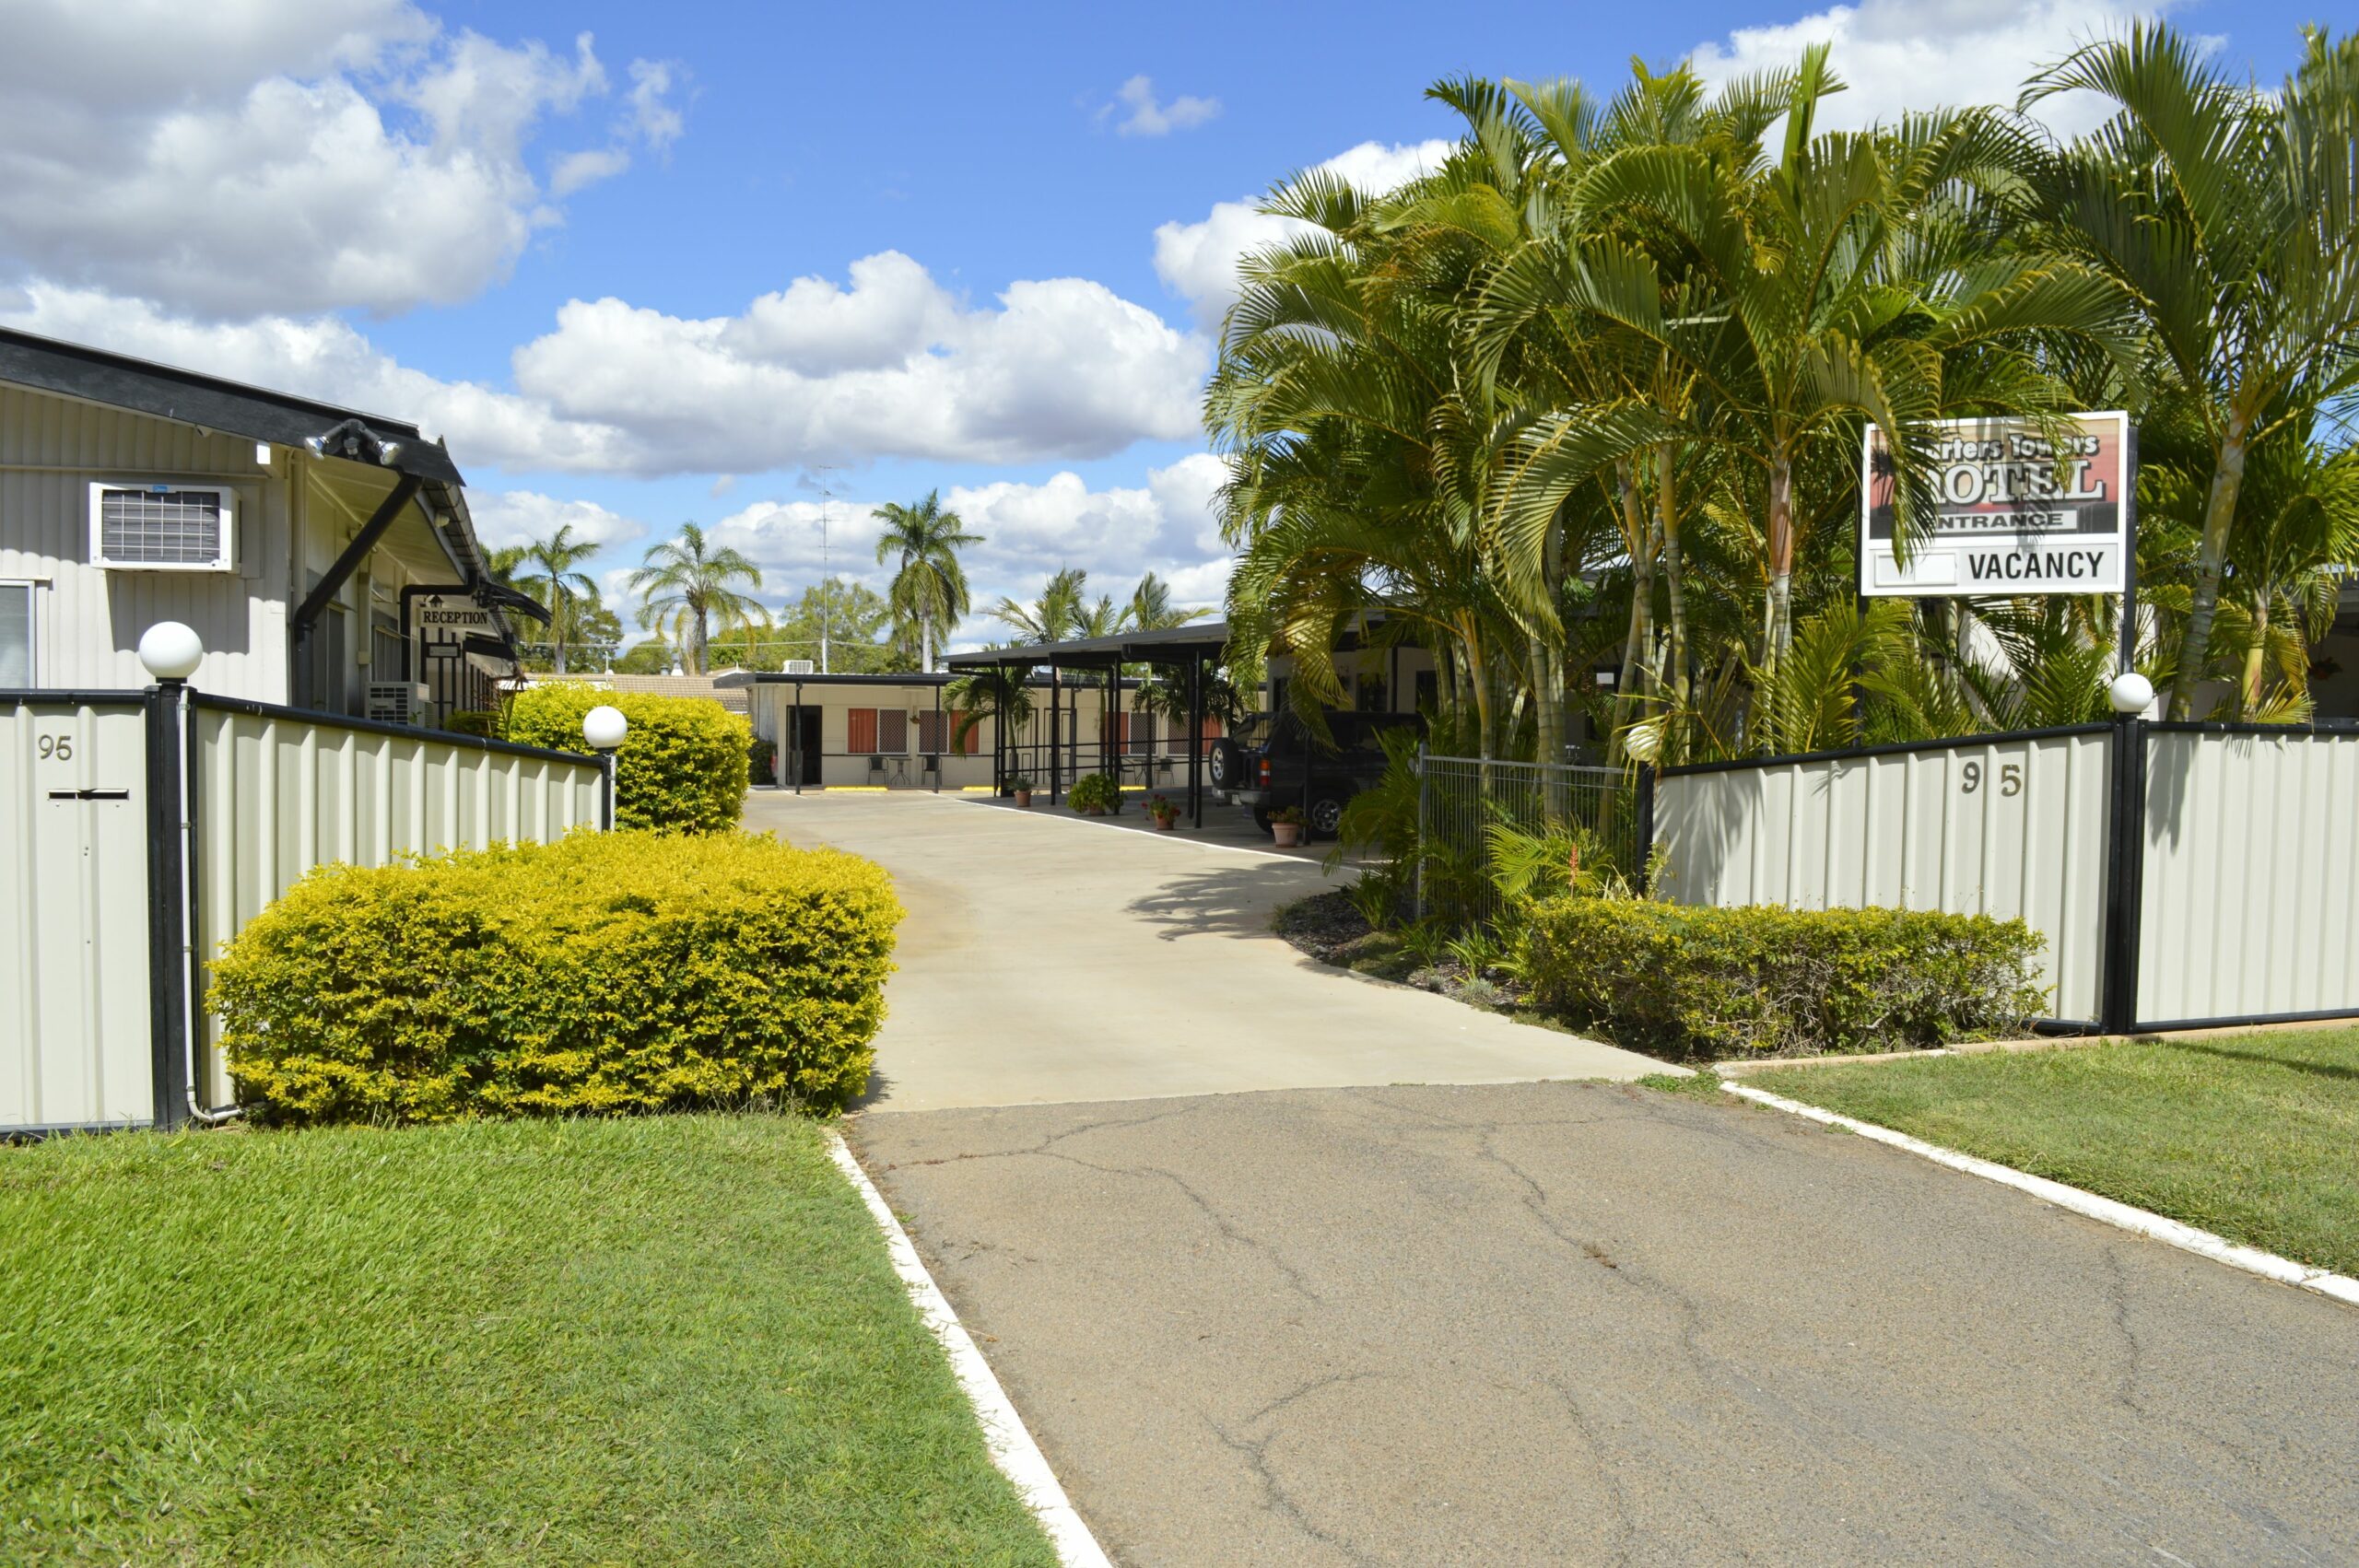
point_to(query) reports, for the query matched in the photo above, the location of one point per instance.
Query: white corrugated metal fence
(2007, 825)
(94, 932)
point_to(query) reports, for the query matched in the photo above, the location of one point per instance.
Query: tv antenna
(826, 503)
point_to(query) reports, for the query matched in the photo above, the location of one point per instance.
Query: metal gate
(75, 953)
(140, 830)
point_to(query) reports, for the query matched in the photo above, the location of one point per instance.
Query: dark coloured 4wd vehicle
(1274, 762)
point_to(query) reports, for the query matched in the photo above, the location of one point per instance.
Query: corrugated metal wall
(2012, 826)
(76, 1034)
(279, 793)
(88, 621)
(2247, 895)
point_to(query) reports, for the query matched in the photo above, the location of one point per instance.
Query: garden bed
(662, 1338)
(2248, 1136)
(1329, 927)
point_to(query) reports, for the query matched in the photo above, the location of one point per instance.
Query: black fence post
(168, 935)
(1645, 826)
(2125, 876)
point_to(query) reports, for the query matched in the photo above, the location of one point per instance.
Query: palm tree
(2228, 213)
(558, 559)
(1151, 609)
(502, 565)
(1058, 613)
(688, 581)
(994, 691)
(929, 591)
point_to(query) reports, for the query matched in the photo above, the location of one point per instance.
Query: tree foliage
(1591, 396)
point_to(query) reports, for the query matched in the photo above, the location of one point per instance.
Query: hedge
(1771, 981)
(683, 766)
(608, 973)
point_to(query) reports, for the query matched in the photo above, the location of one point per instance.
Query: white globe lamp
(2131, 694)
(172, 651)
(604, 727)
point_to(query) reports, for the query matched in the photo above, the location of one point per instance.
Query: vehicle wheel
(1325, 815)
(1261, 818)
(1226, 765)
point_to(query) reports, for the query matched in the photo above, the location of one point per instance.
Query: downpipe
(190, 1024)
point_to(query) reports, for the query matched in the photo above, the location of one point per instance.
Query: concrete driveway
(1046, 957)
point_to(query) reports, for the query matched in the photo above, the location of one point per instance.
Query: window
(15, 635)
(892, 731)
(162, 527)
(1374, 696)
(860, 732)
(930, 727)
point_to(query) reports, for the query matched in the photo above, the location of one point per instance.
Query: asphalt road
(1553, 1323)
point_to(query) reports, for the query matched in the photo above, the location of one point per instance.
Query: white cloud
(1897, 55)
(1198, 261)
(576, 170)
(277, 154)
(1149, 118)
(519, 517)
(893, 366)
(652, 118)
(1165, 525)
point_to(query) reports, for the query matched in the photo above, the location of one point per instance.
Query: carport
(1192, 650)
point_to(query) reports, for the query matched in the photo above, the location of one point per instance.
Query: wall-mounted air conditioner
(397, 702)
(801, 667)
(163, 528)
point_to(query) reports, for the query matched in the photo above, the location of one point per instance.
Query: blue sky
(647, 264)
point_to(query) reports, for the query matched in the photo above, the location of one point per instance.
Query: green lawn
(2253, 1136)
(668, 1340)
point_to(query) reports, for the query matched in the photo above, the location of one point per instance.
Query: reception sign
(2013, 514)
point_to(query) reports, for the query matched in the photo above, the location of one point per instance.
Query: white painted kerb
(1012, 1449)
(2106, 1210)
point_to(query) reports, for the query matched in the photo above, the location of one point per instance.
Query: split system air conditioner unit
(801, 667)
(397, 702)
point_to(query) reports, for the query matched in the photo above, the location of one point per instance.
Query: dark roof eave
(1123, 648)
(190, 397)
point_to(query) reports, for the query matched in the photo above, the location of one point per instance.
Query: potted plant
(1286, 827)
(1092, 794)
(1165, 815)
(1023, 788)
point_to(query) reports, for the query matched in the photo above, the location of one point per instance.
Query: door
(806, 730)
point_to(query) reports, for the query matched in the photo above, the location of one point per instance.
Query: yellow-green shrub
(608, 973)
(683, 766)
(1764, 980)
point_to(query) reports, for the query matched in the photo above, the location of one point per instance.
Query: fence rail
(1466, 806)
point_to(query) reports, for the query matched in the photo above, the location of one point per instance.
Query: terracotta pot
(1166, 822)
(1288, 833)
(1024, 799)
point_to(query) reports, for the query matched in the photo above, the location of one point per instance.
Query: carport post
(1056, 763)
(940, 738)
(1196, 737)
(794, 736)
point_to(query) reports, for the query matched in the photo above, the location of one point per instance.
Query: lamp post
(604, 727)
(170, 652)
(2129, 694)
